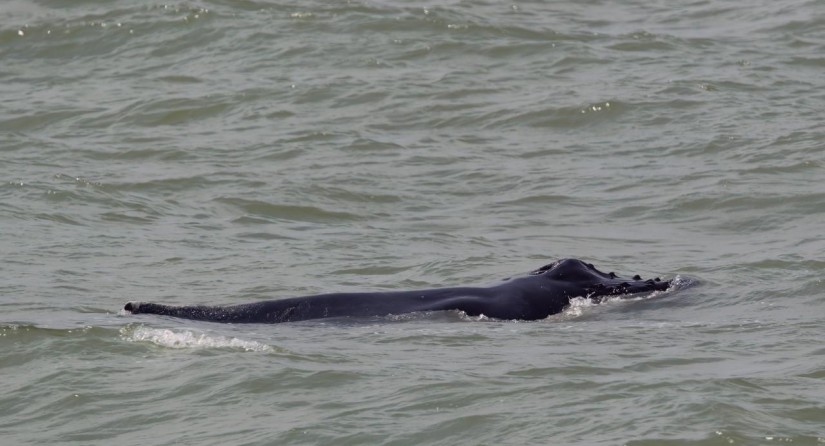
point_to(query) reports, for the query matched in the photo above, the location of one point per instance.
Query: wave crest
(189, 339)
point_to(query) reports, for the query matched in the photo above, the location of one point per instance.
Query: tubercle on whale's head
(594, 282)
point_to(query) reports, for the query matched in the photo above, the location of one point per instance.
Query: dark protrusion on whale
(637, 277)
(612, 275)
(129, 307)
(657, 279)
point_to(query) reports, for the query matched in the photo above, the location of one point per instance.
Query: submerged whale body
(535, 295)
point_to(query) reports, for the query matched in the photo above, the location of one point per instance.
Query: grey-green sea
(230, 151)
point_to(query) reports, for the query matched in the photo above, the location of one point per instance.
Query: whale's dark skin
(536, 295)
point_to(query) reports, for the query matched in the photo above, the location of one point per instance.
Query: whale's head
(583, 279)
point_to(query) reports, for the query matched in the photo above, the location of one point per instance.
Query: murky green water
(230, 151)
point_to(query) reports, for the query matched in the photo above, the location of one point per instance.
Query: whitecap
(187, 339)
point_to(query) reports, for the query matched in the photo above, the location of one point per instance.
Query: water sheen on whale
(533, 296)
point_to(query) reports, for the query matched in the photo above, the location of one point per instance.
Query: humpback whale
(535, 295)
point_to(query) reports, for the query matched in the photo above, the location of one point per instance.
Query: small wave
(189, 339)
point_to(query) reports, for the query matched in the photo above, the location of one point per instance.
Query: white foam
(578, 304)
(189, 339)
(481, 317)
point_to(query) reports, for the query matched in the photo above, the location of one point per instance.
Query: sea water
(224, 151)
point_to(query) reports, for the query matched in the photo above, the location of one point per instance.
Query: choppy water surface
(229, 151)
